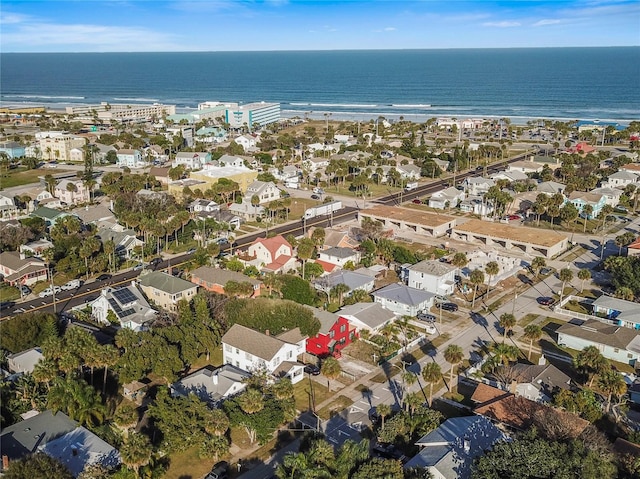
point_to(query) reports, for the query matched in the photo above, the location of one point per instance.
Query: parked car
(312, 369)
(388, 451)
(103, 277)
(138, 267)
(25, 290)
(191, 251)
(546, 271)
(315, 197)
(219, 471)
(545, 300)
(155, 262)
(417, 201)
(73, 284)
(6, 305)
(452, 307)
(426, 317)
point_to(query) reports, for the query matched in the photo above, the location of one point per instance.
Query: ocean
(522, 84)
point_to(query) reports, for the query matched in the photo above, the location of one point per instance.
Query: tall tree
(612, 383)
(492, 268)
(532, 332)
(591, 362)
(583, 275)
(136, 452)
(565, 275)
(476, 277)
(507, 322)
(453, 355)
(305, 251)
(431, 373)
(331, 369)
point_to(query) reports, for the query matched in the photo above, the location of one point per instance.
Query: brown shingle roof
(221, 276)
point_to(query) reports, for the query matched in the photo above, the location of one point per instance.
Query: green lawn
(187, 465)
(22, 176)
(8, 293)
(340, 403)
(302, 390)
(528, 319)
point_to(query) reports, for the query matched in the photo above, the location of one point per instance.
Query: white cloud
(547, 21)
(86, 37)
(12, 18)
(390, 29)
(503, 24)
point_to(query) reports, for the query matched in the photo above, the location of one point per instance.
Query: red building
(335, 333)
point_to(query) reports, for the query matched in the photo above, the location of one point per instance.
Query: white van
(411, 186)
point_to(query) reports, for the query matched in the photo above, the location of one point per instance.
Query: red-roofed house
(275, 254)
(582, 148)
(327, 267)
(634, 248)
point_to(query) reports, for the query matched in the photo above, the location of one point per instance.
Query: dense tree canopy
(276, 316)
(26, 331)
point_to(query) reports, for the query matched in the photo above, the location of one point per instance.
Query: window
(248, 356)
(630, 356)
(237, 351)
(343, 328)
(227, 348)
(616, 350)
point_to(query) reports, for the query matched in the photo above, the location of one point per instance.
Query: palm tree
(251, 401)
(565, 276)
(459, 260)
(613, 384)
(532, 332)
(136, 452)
(413, 401)
(476, 278)
(108, 356)
(492, 268)
(45, 371)
(504, 353)
(587, 211)
(383, 411)
(583, 275)
(217, 422)
(431, 373)
(305, 251)
(590, 361)
(537, 264)
(507, 322)
(331, 369)
(624, 292)
(339, 290)
(255, 202)
(453, 355)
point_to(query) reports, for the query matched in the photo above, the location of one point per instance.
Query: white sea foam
(135, 99)
(46, 97)
(417, 105)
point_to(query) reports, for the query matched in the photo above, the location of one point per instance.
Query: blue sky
(235, 25)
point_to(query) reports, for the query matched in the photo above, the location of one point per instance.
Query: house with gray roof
(539, 382)
(24, 361)
(124, 239)
(623, 312)
(612, 195)
(621, 179)
(434, 276)
(339, 256)
(166, 290)
(448, 451)
(251, 350)
(403, 300)
(409, 172)
(128, 304)
(212, 385)
(477, 185)
(352, 279)
(550, 188)
(95, 214)
(614, 342)
(57, 436)
(368, 316)
(266, 191)
(446, 198)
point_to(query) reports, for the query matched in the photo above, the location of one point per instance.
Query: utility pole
(53, 290)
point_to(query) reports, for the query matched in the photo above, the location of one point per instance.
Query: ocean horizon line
(347, 50)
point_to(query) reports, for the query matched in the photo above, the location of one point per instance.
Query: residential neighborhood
(191, 290)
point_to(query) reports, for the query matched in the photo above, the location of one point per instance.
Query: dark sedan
(545, 300)
(452, 307)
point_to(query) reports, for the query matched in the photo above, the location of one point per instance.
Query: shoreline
(392, 112)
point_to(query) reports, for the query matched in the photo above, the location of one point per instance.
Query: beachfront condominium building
(57, 145)
(106, 112)
(248, 115)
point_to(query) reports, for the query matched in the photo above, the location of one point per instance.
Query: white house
(433, 276)
(477, 185)
(72, 195)
(447, 198)
(228, 160)
(525, 167)
(620, 179)
(315, 164)
(247, 142)
(130, 159)
(614, 342)
(252, 350)
(192, 160)
(409, 172)
(403, 300)
(476, 205)
(202, 205)
(212, 385)
(367, 316)
(339, 256)
(266, 191)
(273, 254)
(612, 195)
(513, 175)
(129, 306)
(24, 361)
(7, 207)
